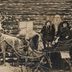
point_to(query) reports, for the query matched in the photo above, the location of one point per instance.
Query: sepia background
(32, 15)
(37, 11)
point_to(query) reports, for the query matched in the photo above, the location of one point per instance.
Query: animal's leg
(3, 46)
(4, 56)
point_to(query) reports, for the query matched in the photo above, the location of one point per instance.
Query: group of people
(50, 36)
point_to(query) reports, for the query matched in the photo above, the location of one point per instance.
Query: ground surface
(19, 69)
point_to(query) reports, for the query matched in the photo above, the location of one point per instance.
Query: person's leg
(44, 43)
(36, 44)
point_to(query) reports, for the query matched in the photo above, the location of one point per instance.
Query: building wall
(37, 10)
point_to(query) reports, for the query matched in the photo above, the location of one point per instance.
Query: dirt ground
(8, 68)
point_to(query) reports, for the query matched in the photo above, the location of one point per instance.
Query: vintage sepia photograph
(35, 35)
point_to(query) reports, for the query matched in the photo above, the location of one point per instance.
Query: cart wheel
(41, 66)
(40, 69)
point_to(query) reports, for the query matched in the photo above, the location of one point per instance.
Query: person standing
(47, 34)
(56, 21)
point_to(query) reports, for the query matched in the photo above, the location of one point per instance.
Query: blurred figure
(56, 21)
(70, 50)
(70, 31)
(32, 37)
(48, 33)
(34, 42)
(25, 42)
(63, 31)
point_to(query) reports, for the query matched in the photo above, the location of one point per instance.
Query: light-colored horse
(14, 42)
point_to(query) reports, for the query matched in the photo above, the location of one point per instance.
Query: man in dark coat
(48, 33)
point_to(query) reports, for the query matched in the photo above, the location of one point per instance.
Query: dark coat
(34, 42)
(48, 33)
(63, 32)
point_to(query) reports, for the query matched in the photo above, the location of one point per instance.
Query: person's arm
(42, 31)
(58, 34)
(57, 39)
(68, 34)
(53, 30)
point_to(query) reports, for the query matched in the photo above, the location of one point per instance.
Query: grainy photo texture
(35, 35)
